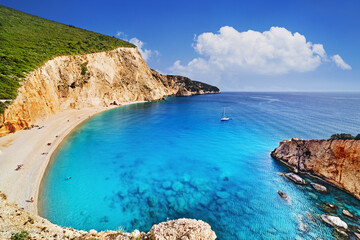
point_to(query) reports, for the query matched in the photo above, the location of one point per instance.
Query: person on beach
(32, 199)
(19, 167)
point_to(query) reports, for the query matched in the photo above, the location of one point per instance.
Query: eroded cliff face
(336, 161)
(91, 80)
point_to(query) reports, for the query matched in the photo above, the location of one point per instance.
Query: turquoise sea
(138, 165)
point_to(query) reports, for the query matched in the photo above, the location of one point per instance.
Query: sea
(138, 165)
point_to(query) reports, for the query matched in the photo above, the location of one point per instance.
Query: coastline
(27, 147)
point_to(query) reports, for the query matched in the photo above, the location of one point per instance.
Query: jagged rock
(328, 207)
(334, 221)
(335, 161)
(318, 187)
(135, 234)
(93, 232)
(310, 217)
(182, 229)
(283, 195)
(347, 213)
(341, 233)
(303, 227)
(295, 178)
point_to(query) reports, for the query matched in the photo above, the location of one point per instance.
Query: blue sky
(182, 37)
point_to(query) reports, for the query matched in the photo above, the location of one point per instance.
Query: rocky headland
(335, 161)
(92, 80)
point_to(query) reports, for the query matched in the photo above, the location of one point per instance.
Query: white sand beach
(30, 148)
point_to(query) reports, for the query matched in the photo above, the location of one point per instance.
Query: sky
(257, 45)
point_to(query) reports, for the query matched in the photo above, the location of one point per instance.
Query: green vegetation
(24, 235)
(344, 136)
(27, 42)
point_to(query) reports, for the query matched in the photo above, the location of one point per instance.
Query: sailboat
(224, 118)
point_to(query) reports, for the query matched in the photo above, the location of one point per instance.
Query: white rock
(319, 187)
(295, 178)
(92, 231)
(334, 221)
(135, 233)
(347, 213)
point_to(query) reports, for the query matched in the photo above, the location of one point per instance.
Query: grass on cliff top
(27, 42)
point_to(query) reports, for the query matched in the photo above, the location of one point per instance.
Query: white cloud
(145, 53)
(340, 62)
(273, 52)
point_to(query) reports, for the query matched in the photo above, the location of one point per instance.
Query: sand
(27, 147)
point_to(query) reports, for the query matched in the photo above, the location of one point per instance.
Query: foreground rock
(295, 178)
(334, 221)
(184, 229)
(335, 161)
(318, 187)
(16, 222)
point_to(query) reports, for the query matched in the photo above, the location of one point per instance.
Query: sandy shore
(27, 147)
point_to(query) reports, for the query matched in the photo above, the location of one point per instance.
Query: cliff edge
(92, 80)
(335, 161)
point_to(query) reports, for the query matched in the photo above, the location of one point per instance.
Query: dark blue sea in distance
(138, 165)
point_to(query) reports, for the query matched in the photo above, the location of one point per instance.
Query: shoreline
(27, 147)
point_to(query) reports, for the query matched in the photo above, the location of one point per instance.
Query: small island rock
(319, 187)
(295, 178)
(283, 195)
(347, 213)
(334, 221)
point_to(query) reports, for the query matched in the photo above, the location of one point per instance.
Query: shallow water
(142, 164)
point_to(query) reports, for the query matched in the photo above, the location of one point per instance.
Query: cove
(138, 165)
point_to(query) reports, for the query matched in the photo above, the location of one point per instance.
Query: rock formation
(184, 229)
(98, 79)
(335, 161)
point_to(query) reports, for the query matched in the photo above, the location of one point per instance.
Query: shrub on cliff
(344, 136)
(27, 42)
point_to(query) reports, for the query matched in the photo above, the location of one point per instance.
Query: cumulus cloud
(145, 53)
(340, 62)
(273, 52)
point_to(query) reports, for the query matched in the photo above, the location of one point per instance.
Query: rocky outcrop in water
(336, 161)
(92, 80)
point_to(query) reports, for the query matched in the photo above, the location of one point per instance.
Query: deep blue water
(142, 164)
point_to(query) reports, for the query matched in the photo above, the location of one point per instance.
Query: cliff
(335, 161)
(91, 80)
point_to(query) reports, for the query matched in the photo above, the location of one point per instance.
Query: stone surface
(116, 76)
(336, 161)
(282, 194)
(334, 221)
(295, 178)
(182, 229)
(347, 213)
(318, 187)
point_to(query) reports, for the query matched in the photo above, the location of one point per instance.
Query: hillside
(27, 42)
